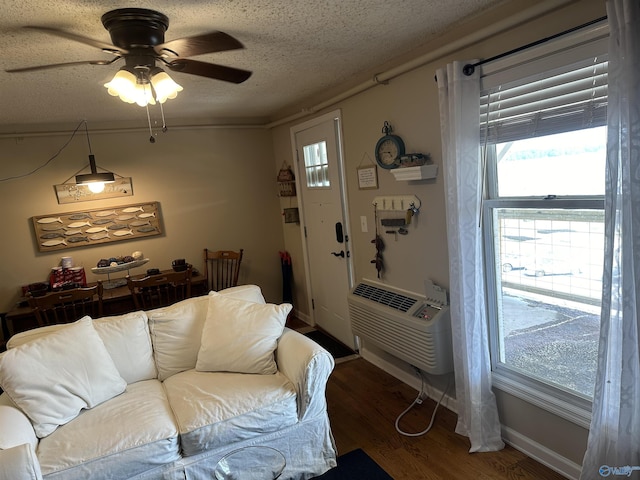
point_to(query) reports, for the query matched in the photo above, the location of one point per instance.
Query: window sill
(577, 411)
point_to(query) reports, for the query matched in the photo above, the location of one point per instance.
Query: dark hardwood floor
(364, 402)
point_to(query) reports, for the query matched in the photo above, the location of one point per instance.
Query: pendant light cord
(55, 155)
(86, 129)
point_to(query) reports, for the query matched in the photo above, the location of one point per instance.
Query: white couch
(164, 394)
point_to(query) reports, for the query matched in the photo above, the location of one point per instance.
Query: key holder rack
(397, 203)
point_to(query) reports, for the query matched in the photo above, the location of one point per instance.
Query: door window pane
(316, 165)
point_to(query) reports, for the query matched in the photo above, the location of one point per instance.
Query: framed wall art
(72, 193)
(83, 228)
(367, 177)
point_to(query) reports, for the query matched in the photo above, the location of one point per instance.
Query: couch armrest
(15, 427)
(308, 366)
(19, 462)
(18, 443)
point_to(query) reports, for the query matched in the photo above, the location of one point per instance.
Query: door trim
(336, 117)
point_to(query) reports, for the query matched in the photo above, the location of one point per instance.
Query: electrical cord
(15, 177)
(418, 401)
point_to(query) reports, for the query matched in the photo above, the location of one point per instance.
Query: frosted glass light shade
(130, 88)
(164, 86)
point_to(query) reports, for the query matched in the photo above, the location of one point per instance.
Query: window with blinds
(558, 102)
(542, 127)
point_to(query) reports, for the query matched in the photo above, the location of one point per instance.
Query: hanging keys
(407, 218)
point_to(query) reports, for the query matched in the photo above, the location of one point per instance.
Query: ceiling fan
(137, 36)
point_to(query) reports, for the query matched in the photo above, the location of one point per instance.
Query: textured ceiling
(295, 48)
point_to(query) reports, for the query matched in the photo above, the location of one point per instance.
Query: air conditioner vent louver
(384, 297)
(405, 326)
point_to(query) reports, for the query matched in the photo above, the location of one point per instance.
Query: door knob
(338, 254)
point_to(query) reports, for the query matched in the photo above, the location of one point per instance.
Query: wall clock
(389, 148)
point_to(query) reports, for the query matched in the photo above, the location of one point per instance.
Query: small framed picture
(368, 177)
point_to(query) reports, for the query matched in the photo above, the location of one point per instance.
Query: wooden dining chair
(67, 306)
(160, 290)
(222, 268)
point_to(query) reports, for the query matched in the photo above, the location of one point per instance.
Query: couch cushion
(176, 330)
(240, 336)
(217, 409)
(121, 438)
(125, 336)
(55, 376)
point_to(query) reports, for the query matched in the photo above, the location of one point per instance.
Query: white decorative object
(119, 282)
(119, 267)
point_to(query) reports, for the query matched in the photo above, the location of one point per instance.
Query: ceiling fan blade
(79, 38)
(57, 65)
(211, 70)
(199, 44)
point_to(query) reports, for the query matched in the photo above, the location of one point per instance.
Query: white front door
(320, 176)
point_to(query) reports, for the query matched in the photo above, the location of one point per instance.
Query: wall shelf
(422, 172)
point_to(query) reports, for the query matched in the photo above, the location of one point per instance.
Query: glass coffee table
(250, 463)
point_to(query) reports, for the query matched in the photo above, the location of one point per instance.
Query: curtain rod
(469, 68)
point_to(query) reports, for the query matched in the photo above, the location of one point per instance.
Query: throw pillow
(52, 378)
(241, 336)
(126, 338)
(250, 293)
(128, 342)
(176, 330)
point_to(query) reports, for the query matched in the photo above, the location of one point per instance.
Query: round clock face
(389, 149)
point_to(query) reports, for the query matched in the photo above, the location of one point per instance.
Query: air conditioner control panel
(427, 312)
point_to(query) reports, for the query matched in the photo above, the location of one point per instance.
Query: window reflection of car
(541, 267)
(511, 262)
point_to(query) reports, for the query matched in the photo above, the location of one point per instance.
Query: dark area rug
(333, 346)
(355, 465)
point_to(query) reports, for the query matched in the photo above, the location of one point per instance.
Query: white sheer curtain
(459, 120)
(614, 437)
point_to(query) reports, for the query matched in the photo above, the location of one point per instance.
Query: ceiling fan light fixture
(143, 95)
(163, 85)
(122, 83)
(132, 86)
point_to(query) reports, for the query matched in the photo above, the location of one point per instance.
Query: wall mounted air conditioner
(411, 327)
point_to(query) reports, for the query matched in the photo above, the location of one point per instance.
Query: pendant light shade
(94, 180)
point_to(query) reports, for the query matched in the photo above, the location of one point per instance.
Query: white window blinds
(571, 94)
(559, 103)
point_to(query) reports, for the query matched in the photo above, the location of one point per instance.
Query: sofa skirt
(308, 448)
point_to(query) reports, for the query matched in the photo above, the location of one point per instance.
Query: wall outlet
(363, 224)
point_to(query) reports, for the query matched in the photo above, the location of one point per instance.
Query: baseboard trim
(302, 316)
(412, 380)
(542, 454)
(532, 449)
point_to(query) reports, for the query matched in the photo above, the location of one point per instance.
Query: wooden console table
(115, 301)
